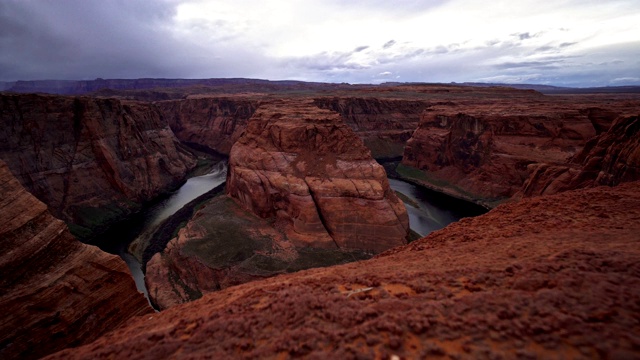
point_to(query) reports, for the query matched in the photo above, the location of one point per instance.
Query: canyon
(303, 191)
(548, 277)
(92, 161)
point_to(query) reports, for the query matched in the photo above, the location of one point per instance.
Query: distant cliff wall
(92, 161)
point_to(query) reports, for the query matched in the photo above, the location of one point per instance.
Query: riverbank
(417, 177)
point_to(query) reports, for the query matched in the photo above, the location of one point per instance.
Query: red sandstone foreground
(548, 277)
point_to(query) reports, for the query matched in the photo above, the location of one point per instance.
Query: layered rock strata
(309, 171)
(213, 122)
(482, 152)
(550, 277)
(303, 191)
(384, 125)
(611, 158)
(55, 292)
(92, 161)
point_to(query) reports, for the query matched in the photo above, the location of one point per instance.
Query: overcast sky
(557, 42)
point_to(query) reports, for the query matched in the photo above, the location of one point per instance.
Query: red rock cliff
(482, 151)
(213, 122)
(92, 161)
(55, 292)
(611, 158)
(384, 125)
(307, 169)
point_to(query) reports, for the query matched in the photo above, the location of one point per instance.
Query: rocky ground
(547, 277)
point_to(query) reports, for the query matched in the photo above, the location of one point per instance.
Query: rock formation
(92, 161)
(481, 151)
(303, 191)
(55, 292)
(609, 159)
(384, 125)
(213, 122)
(304, 167)
(549, 277)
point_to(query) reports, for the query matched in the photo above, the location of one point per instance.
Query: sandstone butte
(303, 191)
(92, 161)
(307, 169)
(551, 277)
(55, 292)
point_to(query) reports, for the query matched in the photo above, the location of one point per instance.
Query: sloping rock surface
(92, 161)
(611, 158)
(55, 292)
(551, 277)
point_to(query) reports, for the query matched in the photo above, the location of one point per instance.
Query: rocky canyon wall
(482, 151)
(384, 125)
(213, 122)
(92, 161)
(611, 158)
(55, 292)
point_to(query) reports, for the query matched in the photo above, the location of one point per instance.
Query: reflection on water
(193, 188)
(434, 210)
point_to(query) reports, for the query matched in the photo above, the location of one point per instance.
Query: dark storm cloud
(110, 39)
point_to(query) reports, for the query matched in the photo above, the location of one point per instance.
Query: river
(159, 212)
(428, 211)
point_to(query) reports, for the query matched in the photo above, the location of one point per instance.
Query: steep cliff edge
(92, 161)
(482, 152)
(303, 191)
(611, 158)
(384, 125)
(552, 277)
(212, 122)
(55, 292)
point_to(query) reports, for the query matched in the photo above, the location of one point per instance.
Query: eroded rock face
(611, 158)
(303, 192)
(306, 169)
(483, 152)
(92, 161)
(55, 292)
(212, 122)
(550, 277)
(384, 125)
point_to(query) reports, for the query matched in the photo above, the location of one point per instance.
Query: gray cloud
(388, 44)
(77, 39)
